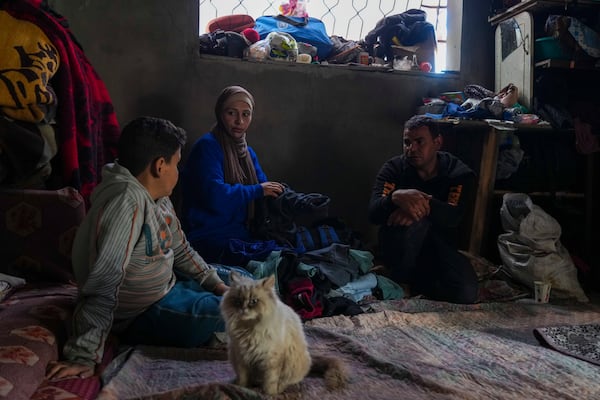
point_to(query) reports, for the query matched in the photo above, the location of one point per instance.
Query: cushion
(34, 328)
(233, 23)
(38, 228)
(32, 331)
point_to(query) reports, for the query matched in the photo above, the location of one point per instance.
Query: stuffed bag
(308, 30)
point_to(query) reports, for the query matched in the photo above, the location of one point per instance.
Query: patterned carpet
(483, 351)
(580, 341)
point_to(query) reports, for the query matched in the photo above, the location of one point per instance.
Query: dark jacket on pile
(406, 29)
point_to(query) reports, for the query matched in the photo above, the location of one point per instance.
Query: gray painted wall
(323, 129)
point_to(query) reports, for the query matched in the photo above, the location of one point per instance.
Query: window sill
(346, 67)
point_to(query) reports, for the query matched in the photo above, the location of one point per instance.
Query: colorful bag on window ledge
(308, 30)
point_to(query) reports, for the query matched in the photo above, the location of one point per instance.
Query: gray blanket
(400, 349)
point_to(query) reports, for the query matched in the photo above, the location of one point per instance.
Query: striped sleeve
(117, 228)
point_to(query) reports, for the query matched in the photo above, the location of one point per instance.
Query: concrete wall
(323, 129)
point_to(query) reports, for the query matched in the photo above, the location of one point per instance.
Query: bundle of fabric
(344, 51)
(409, 28)
(275, 218)
(26, 152)
(27, 103)
(86, 125)
(575, 37)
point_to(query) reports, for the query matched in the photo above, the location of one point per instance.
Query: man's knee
(398, 238)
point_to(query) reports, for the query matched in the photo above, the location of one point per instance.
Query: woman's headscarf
(238, 166)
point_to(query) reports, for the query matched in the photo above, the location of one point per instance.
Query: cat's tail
(332, 369)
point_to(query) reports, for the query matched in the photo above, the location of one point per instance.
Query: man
(127, 251)
(419, 199)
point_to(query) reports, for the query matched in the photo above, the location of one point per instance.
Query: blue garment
(242, 252)
(455, 110)
(362, 286)
(187, 316)
(213, 210)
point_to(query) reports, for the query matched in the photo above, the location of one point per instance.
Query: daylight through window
(353, 19)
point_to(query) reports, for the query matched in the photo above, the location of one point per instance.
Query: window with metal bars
(353, 19)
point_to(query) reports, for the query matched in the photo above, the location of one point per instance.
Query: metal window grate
(350, 19)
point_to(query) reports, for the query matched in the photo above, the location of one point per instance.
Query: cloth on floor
(359, 288)
(338, 262)
(339, 305)
(387, 289)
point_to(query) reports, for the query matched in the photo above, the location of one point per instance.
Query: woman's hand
(272, 189)
(65, 369)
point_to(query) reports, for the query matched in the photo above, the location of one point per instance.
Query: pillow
(33, 329)
(38, 228)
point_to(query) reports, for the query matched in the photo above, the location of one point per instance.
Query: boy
(126, 254)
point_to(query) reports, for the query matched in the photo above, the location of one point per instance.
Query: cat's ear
(269, 282)
(234, 277)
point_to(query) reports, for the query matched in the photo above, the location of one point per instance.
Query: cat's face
(248, 299)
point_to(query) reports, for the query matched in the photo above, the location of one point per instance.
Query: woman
(222, 178)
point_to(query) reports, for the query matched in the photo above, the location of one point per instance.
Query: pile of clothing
(57, 123)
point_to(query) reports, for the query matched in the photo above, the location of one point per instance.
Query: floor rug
(580, 341)
(484, 351)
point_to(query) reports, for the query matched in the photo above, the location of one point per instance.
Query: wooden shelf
(566, 64)
(565, 195)
(487, 192)
(537, 5)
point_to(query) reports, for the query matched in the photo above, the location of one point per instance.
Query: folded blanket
(29, 61)
(8, 283)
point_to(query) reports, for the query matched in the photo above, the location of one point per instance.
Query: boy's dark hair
(146, 139)
(418, 121)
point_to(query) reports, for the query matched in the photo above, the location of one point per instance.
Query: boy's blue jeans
(186, 317)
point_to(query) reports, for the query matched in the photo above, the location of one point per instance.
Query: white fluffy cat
(266, 342)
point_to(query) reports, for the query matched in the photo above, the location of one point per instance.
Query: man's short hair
(146, 139)
(418, 121)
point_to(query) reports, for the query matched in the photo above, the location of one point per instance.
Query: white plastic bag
(259, 51)
(531, 249)
(283, 46)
